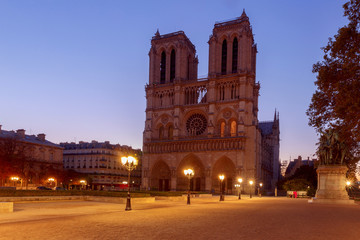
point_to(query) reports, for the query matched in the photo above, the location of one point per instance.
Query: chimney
(20, 133)
(41, 137)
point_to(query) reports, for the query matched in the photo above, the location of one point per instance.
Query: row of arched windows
(228, 91)
(166, 133)
(163, 66)
(224, 132)
(235, 47)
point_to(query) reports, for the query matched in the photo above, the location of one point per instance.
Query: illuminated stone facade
(101, 161)
(38, 158)
(208, 124)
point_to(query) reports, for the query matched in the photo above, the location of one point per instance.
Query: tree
(335, 105)
(304, 178)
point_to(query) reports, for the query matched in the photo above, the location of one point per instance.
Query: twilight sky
(76, 70)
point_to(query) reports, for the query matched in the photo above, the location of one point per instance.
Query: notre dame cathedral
(207, 124)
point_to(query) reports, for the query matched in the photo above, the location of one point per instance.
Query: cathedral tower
(209, 124)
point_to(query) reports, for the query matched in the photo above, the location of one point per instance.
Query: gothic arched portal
(197, 183)
(160, 176)
(223, 166)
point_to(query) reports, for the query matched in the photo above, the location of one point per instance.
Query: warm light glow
(124, 160)
(240, 180)
(251, 182)
(348, 183)
(237, 185)
(14, 178)
(51, 179)
(129, 160)
(82, 181)
(189, 172)
(260, 184)
(124, 182)
(221, 177)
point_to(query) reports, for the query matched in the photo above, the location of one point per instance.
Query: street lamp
(83, 183)
(14, 179)
(221, 177)
(240, 181)
(259, 190)
(130, 164)
(251, 183)
(51, 180)
(189, 173)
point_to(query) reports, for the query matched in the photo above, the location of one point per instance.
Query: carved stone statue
(331, 149)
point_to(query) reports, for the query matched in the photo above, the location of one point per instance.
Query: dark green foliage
(336, 101)
(304, 179)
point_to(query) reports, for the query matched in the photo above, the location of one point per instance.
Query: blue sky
(76, 69)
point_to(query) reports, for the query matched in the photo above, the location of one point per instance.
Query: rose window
(196, 124)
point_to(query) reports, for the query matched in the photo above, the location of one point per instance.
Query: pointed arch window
(162, 67)
(233, 129)
(170, 132)
(161, 132)
(235, 55)
(233, 91)
(223, 57)
(172, 65)
(222, 129)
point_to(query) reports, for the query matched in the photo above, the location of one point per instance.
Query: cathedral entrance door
(229, 186)
(198, 184)
(164, 185)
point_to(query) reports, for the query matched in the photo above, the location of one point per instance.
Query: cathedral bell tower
(172, 58)
(210, 124)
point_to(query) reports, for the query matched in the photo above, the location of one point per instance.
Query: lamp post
(251, 183)
(221, 177)
(83, 183)
(14, 179)
(130, 164)
(189, 173)
(240, 181)
(259, 191)
(51, 180)
(348, 183)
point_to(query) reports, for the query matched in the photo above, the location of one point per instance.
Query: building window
(161, 132)
(235, 55)
(222, 129)
(170, 132)
(233, 129)
(162, 68)
(233, 92)
(172, 66)
(222, 92)
(223, 57)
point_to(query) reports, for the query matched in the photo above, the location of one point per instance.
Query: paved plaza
(256, 218)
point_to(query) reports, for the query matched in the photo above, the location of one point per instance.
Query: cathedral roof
(266, 128)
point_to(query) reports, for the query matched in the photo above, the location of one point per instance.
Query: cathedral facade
(210, 124)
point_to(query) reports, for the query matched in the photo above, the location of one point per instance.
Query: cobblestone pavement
(256, 218)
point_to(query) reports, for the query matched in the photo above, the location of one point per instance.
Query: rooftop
(40, 139)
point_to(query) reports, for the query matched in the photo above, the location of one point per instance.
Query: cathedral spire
(275, 115)
(243, 15)
(157, 34)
